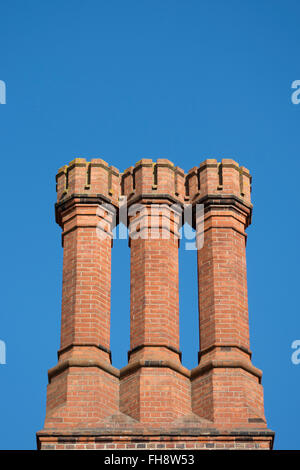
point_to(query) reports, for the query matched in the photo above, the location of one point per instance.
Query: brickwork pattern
(154, 402)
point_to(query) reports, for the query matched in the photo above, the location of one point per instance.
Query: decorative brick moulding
(154, 401)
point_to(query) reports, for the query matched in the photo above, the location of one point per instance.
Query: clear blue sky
(121, 80)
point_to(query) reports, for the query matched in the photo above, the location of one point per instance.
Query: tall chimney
(154, 402)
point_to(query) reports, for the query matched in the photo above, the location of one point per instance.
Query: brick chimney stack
(83, 387)
(154, 376)
(154, 400)
(226, 387)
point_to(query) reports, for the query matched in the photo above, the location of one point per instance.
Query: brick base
(253, 440)
(120, 431)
